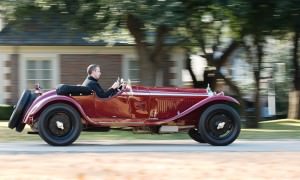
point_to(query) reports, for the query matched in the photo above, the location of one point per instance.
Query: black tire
(49, 129)
(17, 115)
(195, 135)
(20, 126)
(220, 125)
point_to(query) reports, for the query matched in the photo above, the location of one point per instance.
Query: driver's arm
(100, 92)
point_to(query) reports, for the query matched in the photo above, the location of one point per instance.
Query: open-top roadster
(60, 115)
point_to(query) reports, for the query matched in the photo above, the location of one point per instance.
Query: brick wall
(12, 76)
(73, 67)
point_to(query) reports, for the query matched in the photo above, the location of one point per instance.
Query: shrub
(5, 111)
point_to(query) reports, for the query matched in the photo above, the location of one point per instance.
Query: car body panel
(46, 99)
(136, 106)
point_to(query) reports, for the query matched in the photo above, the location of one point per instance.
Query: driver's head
(94, 71)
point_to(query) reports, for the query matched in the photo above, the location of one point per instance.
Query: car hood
(168, 90)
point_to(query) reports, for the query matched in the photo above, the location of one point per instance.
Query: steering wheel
(122, 83)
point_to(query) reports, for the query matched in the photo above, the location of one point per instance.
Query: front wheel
(59, 124)
(220, 125)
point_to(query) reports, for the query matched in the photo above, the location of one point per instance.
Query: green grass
(278, 129)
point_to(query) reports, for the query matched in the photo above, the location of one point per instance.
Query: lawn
(277, 129)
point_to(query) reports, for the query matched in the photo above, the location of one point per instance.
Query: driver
(91, 82)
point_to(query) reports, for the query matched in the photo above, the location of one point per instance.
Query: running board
(97, 129)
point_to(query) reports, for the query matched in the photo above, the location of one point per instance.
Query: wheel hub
(60, 125)
(221, 125)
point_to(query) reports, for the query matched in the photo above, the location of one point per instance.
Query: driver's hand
(122, 85)
(115, 85)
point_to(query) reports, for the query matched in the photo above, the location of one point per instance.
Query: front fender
(219, 98)
(37, 107)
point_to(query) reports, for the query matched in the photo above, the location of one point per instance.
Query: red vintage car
(60, 115)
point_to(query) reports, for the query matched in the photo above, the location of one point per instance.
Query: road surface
(163, 160)
(116, 146)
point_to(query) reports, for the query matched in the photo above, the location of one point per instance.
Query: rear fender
(38, 107)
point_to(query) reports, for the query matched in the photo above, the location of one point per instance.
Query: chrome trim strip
(166, 94)
(119, 122)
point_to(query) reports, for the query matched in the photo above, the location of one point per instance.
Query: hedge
(5, 111)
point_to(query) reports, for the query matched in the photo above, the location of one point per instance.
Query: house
(51, 53)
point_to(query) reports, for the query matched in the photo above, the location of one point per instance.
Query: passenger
(91, 82)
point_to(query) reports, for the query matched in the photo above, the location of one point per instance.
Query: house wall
(70, 64)
(38, 56)
(3, 58)
(12, 87)
(73, 67)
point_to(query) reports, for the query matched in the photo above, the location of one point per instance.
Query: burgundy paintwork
(138, 106)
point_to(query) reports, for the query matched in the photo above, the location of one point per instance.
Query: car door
(113, 108)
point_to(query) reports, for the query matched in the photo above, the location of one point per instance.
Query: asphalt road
(115, 146)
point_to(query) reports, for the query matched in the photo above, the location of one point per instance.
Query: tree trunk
(148, 68)
(257, 68)
(237, 92)
(150, 56)
(294, 99)
(188, 65)
(208, 76)
(294, 103)
(166, 64)
(220, 63)
(298, 97)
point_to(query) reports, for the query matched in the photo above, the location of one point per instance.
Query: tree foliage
(217, 27)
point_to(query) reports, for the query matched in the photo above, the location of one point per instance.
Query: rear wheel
(16, 118)
(59, 125)
(220, 125)
(195, 135)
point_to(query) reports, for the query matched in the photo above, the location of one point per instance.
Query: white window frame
(126, 68)
(53, 58)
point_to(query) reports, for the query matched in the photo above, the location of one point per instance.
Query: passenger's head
(94, 71)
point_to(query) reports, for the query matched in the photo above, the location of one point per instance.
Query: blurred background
(248, 49)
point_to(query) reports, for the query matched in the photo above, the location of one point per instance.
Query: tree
(162, 18)
(289, 23)
(207, 28)
(150, 23)
(254, 21)
(205, 23)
